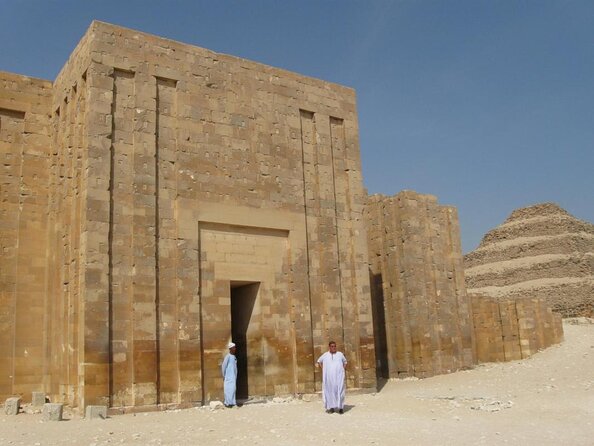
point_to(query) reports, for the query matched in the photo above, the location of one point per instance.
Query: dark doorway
(243, 299)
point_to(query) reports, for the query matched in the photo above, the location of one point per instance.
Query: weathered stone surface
(540, 251)
(52, 412)
(423, 324)
(25, 148)
(37, 399)
(96, 412)
(12, 406)
(513, 329)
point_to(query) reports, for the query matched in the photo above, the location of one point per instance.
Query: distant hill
(539, 251)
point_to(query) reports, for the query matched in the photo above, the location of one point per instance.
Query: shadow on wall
(379, 328)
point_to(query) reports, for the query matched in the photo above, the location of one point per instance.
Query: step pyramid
(540, 251)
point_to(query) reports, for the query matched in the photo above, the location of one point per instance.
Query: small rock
(216, 405)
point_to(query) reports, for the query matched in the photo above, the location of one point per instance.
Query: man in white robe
(333, 365)
(229, 370)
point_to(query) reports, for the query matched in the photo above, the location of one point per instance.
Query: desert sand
(547, 399)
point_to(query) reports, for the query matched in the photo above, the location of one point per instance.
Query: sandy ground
(545, 400)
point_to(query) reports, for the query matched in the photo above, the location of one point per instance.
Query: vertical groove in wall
(176, 393)
(16, 267)
(200, 315)
(45, 348)
(60, 251)
(316, 248)
(56, 254)
(67, 241)
(51, 265)
(307, 115)
(345, 241)
(336, 230)
(82, 117)
(110, 244)
(166, 248)
(433, 264)
(72, 236)
(157, 250)
(457, 293)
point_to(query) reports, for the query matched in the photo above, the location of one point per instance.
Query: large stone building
(159, 199)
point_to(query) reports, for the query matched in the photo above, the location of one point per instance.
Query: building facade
(159, 200)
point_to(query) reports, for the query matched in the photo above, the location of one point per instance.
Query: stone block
(52, 412)
(12, 406)
(37, 399)
(96, 412)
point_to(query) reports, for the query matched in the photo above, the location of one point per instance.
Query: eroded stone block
(12, 405)
(52, 411)
(37, 399)
(96, 412)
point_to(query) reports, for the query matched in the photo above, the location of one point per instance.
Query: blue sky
(487, 104)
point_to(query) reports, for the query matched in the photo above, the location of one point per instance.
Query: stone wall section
(513, 329)
(418, 286)
(25, 149)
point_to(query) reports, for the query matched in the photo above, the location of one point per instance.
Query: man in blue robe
(229, 370)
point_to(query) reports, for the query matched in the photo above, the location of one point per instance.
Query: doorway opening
(244, 332)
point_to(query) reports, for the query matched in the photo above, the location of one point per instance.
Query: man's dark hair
(330, 343)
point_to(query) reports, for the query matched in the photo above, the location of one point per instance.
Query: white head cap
(231, 345)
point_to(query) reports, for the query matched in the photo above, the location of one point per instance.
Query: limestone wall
(422, 313)
(425, 323)
(24, 185)
(513, 329)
